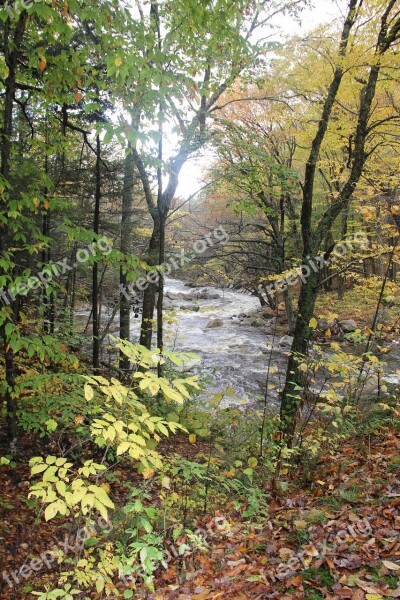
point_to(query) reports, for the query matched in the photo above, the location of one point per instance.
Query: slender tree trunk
(342, 278)
(95, 272)
(11, 48)
(379, 238)
(48, 301)
(291, 396)
(126, 227)
(149, 298)
(160, 301)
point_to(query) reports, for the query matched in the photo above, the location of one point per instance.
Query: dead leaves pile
(340, 539)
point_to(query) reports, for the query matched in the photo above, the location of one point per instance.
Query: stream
(235, 354)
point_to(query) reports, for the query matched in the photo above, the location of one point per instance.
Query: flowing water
(235, 355)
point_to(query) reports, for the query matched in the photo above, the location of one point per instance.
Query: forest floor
(334, 533)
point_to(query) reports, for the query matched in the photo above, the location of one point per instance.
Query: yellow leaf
(118, 61)
(192, 438)
(252, 462)
(89, 394)
(373, 597)
(123, 447)
(36, 202)
(313, 323)
(166, 482)
(111, 433)
(101, 508)
(42, 63)
(51, 511)
(101, 495)
(106, 487)
(320, 482)
(148, 473)
(77, 496)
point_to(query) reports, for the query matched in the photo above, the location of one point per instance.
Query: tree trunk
(95, 272)
(291, 397)
(342, 278)
(126, 226)
(149, 298)
(11, 49)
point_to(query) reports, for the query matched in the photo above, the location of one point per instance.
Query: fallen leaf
(391, 565)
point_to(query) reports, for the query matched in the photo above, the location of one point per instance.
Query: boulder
(215, 323)
(268, 312)
(201, 295)
(192, 308)
(206, 295)
(323, 324)
(286, 341)
(257, 323)
(348, 325)
(172, 295)
(167, 304)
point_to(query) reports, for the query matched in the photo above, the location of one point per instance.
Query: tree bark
(95, 271)
(126, 227)
(12, 42)
(149, 298)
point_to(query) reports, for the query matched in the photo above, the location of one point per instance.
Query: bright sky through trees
(321, 11)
